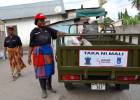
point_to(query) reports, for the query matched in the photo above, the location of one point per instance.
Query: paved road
(27, 88)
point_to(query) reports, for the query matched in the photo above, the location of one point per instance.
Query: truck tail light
(127, 78)
(70, 77)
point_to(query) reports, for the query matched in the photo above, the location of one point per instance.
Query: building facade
(22, 16)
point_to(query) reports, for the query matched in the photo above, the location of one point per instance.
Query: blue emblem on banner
(87, 60)
(119, 60)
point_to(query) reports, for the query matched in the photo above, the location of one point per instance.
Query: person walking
(13, 46)
(42, 52)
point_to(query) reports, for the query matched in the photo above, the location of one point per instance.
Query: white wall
(71, 14)
(55, 18)
(25, 25)
(117, 23)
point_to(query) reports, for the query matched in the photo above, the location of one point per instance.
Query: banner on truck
(103, 58)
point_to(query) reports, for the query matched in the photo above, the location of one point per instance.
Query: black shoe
(19, 74)
(14, 78)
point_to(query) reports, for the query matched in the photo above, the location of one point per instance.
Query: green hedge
(131, 20)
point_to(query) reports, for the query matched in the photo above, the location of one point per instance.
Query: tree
(129, 20)
(125, 18)
(125, 15)
(119, 15)
(136, 3)
(107, 21)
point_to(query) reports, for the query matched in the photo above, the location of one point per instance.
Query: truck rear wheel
(69, 86)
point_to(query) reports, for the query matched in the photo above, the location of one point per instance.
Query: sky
(112, 6)
(115, 6)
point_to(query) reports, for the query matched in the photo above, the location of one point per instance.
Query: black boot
(44, 94)
(43, 87)
(49, 85)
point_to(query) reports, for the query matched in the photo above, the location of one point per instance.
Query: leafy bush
(129, 20)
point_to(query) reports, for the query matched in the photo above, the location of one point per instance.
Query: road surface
(27, 88)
